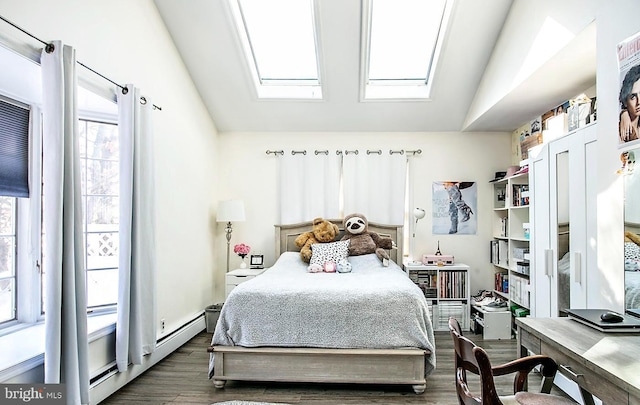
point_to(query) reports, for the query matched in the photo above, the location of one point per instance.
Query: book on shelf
(504, 226)
(520, 290)
(493, 245)
(503, 253)
(499, 251)
(501, 282)
(520, 195)
(453, 284)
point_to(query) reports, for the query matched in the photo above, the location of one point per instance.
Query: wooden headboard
(287, 234)
(632, 227)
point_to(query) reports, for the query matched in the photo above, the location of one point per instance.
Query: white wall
(127, 42)
(533, 33)
(616, 20)
(250, 174)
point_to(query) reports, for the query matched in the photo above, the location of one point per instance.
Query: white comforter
(371, 307)
(632, 289)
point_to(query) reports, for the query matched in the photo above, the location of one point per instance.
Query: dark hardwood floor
(181, 378)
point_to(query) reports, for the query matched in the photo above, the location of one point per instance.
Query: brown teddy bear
(356, 228)
(631, 237)
(323, 231)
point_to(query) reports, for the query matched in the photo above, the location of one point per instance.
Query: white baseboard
(113, 381)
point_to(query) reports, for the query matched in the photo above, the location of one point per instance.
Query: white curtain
(66, 346)
(374, 185)
(135, 328)
(309, 186)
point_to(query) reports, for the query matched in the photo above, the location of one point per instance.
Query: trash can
(211, 315)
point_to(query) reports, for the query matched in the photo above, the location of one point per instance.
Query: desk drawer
(609, 393)
(529, 341)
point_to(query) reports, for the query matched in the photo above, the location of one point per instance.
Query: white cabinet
(447, 289)
(492, 325)
(238, 276)
(563, 236)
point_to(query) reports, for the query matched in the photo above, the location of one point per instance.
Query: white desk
(606, 365)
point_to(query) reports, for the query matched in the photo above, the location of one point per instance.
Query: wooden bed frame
(288, 364)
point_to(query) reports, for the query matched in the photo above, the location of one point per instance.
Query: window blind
(14, 150)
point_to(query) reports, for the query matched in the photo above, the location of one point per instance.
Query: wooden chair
(474, 359)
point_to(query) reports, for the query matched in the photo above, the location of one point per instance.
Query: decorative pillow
(333, 251)
(631, 256)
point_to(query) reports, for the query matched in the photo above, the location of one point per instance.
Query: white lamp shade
(230, 211)
(418, 213)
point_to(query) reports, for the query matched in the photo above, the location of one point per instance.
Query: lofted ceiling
(203, 33)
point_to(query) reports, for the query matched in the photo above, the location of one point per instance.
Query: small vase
(243, 265)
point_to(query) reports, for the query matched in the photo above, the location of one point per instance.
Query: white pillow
(333, 251)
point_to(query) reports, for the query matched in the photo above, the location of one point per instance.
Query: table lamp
(230, 211)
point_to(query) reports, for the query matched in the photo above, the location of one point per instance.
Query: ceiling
(203, 33)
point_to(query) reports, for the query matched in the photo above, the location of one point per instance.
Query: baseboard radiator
(111, 380)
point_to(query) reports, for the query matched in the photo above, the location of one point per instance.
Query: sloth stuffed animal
(356, 228)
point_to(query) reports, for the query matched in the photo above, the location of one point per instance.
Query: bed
(632, 265)
(369, 326)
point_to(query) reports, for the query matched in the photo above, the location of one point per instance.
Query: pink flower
(241, 249)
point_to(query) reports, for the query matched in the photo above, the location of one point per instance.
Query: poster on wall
(454, 207)
(629, 94)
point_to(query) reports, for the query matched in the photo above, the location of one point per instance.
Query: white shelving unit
(511, 237)
(447, 289)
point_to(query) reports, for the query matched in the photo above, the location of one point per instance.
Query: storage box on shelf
(447, 289)
(491, 325)
(510, 244)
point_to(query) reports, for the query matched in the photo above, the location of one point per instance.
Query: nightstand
(239, 276)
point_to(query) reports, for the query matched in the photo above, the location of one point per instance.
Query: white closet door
(560, 226)
(564, 178)
(583, 215)
(540, 235)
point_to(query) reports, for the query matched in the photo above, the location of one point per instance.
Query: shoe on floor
(482, 294)
(498, 305)
(484, 302)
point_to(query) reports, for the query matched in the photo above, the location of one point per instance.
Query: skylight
(279, 41)
(402, 41)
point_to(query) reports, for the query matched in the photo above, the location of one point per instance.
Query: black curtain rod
(50, 48)
(347, 152)
(23, 30)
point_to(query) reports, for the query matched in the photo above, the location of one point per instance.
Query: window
(7, 259)
(14, 182)
(14, 149)
(99, 154)
(279, 42)
(21, 273)
(21, 276)
(402, 41)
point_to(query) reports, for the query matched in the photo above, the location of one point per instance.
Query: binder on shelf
(520, 195)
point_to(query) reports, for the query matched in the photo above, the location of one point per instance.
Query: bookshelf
(447, 290)
(509, 250)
